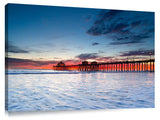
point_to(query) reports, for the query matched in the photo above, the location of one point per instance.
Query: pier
(123, 66)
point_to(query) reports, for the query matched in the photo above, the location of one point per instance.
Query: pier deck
(124, 66)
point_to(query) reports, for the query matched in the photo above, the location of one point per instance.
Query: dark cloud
(109, 15)
(95, 43)
(32, 64)
(105, 58)
(129, 40)
(95, 56)
(124, 27)
(86, 56)
(138, 53)
(14, 49)
(19, 62)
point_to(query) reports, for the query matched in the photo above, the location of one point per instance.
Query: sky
(38, 37)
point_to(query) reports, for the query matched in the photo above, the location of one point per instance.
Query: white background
(124, 114)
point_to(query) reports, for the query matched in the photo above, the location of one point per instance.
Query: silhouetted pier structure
(123, 66)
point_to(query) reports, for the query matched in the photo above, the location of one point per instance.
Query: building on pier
(85, 63)
(94, 66)
(60, 66)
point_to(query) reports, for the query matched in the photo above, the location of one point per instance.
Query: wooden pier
(125, 66)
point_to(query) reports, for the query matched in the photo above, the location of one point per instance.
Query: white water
(43, 90)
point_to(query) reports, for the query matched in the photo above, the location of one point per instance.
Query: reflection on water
(41, 92)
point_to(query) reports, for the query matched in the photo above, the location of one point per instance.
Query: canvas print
(67, 58)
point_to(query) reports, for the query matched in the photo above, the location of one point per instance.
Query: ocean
(49, 90)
